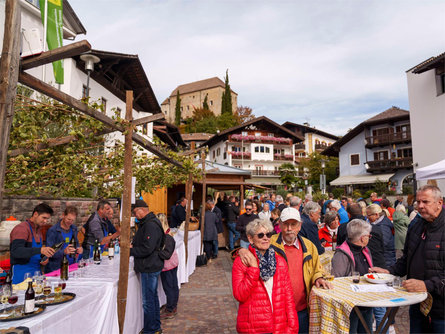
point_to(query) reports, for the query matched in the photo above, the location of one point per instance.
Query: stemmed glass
(12, 300)
(57, 289)
(5, 293)
(46, 289)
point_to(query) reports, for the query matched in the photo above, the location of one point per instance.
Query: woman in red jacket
(331, 222)
(263, 286)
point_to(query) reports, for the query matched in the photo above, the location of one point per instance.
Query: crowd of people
(372, 236)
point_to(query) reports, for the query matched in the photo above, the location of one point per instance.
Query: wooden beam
(141, 93)
(9, 70)
(63, 52)
(148, 119)
(58, 95)
(126, 213)
(204, 195)
(188, 213)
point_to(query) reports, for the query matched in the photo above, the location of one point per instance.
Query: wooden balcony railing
(320, 147)
(388, 139)
(265, 173)
(300, 146)
(260, 139)
(285, 157)
(241, 155)
(389, 164)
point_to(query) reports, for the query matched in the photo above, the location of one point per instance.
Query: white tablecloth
(94, 310)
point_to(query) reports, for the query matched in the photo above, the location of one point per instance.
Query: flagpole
(45, 28)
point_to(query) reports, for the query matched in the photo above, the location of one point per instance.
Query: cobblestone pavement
(206, 304)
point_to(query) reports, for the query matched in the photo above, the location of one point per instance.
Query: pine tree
(178, 110)
(226, 102)
(205, 104)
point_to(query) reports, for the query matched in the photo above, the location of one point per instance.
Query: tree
(313, 164)
(288, 175)
(178, 110)
(243, 115)
(205, 104)
(226, 102)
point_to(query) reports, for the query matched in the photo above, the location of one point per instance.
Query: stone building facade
(192, 96)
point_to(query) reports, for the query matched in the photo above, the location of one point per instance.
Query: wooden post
(126, 216)
(204, 195)
(9, 72)
(241, 197)
(188, 195)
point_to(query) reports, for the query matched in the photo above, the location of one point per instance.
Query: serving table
(330, 309)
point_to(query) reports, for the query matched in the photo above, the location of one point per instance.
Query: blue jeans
(150, 302)
(379, 313)
(215, 248)
(232, 232)
(303, 321)
(244, 244)
(418, 323)
(355, 325)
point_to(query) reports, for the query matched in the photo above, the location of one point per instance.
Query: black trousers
(170, 285)
(208, 248)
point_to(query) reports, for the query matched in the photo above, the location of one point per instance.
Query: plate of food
(378, 278)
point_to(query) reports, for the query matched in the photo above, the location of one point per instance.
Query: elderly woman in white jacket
(265, 213)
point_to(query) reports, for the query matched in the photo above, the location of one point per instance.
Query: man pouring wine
(27, 244)
(65, 232)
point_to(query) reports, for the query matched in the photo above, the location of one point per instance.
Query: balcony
(300, 146)
(265, 173)
(240, 155)
(283, 157)
(260, 139)
(389, 164)
(320, 147)
(388, 139)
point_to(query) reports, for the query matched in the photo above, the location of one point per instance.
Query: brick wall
(21, 207)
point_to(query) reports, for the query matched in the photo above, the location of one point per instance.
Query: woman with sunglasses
(254, 284)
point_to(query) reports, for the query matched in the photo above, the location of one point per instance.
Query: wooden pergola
(12, 70)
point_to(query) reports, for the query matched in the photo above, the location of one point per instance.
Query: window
(237, 166)
(103, 101)
(181, 108)
(442, 83)
(211, 102)
(218, 152)
(213, 154)
(244, 133)
(236, 148)
(267, 150)
(355, 159)
(261, 149)
(257, 134)
(258, 168)
(381, 155)
(188, 107)
(270, 134)
(257, 149)
(145, 129)
(85, 93)
(119, 112)
(405, 153)
(225, 155)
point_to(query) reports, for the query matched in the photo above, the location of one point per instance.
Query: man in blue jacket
(63, 230)
(309, 229)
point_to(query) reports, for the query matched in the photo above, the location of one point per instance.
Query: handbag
(201, 260)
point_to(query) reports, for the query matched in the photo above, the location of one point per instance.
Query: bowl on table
(378, 278)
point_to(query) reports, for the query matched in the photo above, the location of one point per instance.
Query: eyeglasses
(248, 209)
(261, 235)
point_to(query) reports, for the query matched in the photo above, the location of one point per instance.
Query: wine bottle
(73, 243)
(96, 253)
(111, 249)
(64, 268)
(29, 299)
(334, 241)
(56, 248)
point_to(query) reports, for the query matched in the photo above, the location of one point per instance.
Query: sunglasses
(261, 235)
(248, 209)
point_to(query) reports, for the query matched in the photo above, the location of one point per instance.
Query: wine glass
(5, 293)
(12, 299)
(57, 286)
(26, 276)
(46, 290)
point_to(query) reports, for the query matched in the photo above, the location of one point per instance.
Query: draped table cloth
(94, 310)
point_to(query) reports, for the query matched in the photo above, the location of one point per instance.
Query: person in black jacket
(309, 229)
(375, 244)
(210, 230)
(423, 261)
(232, 213)
(219, 226)
(145, 250)
(242, 222)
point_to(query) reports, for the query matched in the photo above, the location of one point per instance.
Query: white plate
(379, 278)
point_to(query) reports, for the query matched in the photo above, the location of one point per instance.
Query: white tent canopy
(431, 172)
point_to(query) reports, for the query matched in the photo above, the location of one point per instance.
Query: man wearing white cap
(302, 259)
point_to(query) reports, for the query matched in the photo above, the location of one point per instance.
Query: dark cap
(139, 204)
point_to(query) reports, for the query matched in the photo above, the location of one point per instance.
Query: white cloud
(288, 60)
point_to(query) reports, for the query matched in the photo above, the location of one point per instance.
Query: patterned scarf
(268, 264)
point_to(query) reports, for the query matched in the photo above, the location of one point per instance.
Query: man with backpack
(147, 246)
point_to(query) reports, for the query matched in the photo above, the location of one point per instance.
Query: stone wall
(21, 207)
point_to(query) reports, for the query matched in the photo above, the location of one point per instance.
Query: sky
(330, 63)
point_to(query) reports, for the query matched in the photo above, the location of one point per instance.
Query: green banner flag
(54, 31)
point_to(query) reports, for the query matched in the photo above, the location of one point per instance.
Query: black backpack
(167, 248)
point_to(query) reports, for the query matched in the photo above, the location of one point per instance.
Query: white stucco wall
(427, 120)
(354, 146)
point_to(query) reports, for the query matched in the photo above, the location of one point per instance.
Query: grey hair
(374, 208)
(311, 207)
(335, 204)
(357, 228)
(253, 227)
(295, 201)
(279, 198)
(401, 208)
(308, 197)
(329, 217)
(437, 195)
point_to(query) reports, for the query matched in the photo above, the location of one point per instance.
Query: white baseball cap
(290, 213)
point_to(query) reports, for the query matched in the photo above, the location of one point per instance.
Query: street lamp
(323, 177)
(89, 60)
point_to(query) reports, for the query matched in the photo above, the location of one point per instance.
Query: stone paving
(206, 304)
